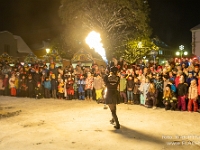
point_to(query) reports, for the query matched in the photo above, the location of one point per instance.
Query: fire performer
(112, 97)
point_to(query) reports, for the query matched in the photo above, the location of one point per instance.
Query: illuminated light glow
(177, 53)
(47, 50)
(185, 53)
(181, 47)
(94, 42)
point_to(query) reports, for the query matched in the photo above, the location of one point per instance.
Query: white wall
(196, 42)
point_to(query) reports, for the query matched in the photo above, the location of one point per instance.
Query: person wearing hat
(112, 97)
(47, 87)
(190, 77)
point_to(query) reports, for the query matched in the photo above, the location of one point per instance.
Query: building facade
(13, 45)
(196, 40)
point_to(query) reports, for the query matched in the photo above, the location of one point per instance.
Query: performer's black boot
(117, 126)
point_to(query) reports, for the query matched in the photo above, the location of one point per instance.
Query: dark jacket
(182, 89)
(130, 85)
(54, 84)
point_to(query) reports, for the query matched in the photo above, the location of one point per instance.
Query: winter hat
(168, 85)
(166, 76)
(190, 72)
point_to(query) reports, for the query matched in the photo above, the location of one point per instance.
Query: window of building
(7, 48)
(160, 52)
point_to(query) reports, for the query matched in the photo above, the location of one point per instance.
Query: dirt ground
(48, 124)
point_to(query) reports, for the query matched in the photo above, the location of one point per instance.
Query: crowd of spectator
(172, 86)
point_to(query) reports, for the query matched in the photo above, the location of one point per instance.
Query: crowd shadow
(137, 135)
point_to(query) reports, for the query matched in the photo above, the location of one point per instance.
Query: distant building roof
(195, 28)
(22, 47)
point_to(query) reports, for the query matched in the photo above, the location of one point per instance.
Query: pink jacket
(89, 83)
(177, 80)
(193, 93)
(199, 86)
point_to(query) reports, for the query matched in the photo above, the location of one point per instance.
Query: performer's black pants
(113, 109)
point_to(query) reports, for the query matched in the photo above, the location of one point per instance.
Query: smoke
(94, 42)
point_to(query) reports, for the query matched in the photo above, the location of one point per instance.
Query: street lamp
(181, 52)
(47, 50)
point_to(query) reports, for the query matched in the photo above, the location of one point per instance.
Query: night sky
(171, 20)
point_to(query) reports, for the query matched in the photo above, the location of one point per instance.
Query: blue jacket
(47, 84)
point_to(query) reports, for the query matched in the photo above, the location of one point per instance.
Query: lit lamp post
(181, 52)
(47, 55)
(47, 51)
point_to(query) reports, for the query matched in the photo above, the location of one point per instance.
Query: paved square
(49, 124)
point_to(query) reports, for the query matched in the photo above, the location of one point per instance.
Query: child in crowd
(54, 86)
(31, 86)
(136, 91)
(70, 88)
(141, 88)
(38, 91)
(89, 85)
(193, 96)
(151, 96)
(47, 87)
(61, 89)
(122, 87)
(75, 88)
(159, 86)
(81, 87)
(145, 90)
(173, 87)
(23, 86)
(169, 99)
(13, 91)
(129, 87)
(182, 94)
